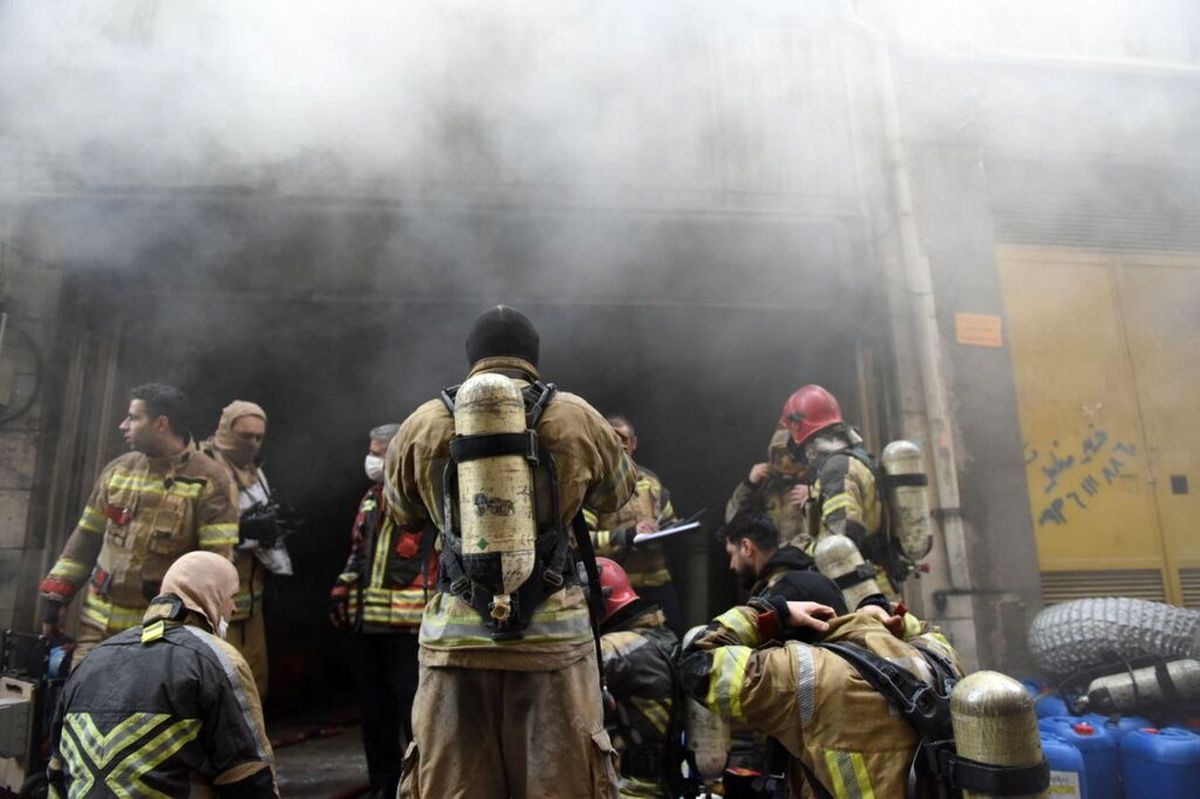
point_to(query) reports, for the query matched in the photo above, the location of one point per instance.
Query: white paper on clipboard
(679, 528)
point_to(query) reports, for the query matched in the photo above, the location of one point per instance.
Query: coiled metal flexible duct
(1087, 633)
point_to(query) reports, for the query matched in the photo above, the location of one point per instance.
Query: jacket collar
(506, 364)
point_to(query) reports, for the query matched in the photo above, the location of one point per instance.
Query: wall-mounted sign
(978, 330)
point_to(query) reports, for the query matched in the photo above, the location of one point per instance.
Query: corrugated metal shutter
(1140, 584)
(1097, 206)
(1189, 584)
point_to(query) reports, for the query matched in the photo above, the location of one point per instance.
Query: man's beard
(746, 577)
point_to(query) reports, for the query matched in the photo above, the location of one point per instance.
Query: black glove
(626, 537)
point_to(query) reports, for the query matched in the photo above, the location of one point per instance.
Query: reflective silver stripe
(239, 694)
(806, 682)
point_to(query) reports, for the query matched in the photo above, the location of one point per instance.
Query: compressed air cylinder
(708, 736)
(994, 723)
(1140, 690)
(837, 556)
(908, 498)
(495, 494)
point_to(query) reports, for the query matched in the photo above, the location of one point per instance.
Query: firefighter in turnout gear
(842, 738)
(636, 648)
(380, 594)
(148, 507)
(235, 446)
(517, 663)
(646, 511)
(777, 488)
(167, 708)
(847, 497)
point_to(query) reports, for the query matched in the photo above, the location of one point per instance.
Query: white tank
(836, 555)
(708, 736)
(908, 498)
(994, 723)
(495, 495)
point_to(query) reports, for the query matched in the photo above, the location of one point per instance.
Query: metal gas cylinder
(495, 494)
(1142, 690)
(908, 498)
(994, 723)
(838, 559)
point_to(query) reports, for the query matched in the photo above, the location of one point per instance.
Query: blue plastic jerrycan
(1101, 764)
(1066, 767)
(1161, 764)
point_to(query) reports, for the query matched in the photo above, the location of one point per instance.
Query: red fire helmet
(614, 583)
(809, 410)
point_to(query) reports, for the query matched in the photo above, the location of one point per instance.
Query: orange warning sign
(978, 330)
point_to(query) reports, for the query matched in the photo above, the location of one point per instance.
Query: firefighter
(649, 509)
(846, 492)
(235, 446)
(509, 699)
(777, 488)
(148, 507)
(838, 731)
(380, 594)
(636, 649)
(762, 566)
(167, 708)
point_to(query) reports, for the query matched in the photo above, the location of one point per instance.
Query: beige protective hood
(205, 581)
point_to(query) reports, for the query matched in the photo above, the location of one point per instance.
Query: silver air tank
(708, 735)
(1140, 692)
(908, 498)
(994, 723)
(836, 557)
(495, 494)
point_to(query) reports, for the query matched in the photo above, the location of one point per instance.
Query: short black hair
(161, 399)
(620, 419)
(752, 524)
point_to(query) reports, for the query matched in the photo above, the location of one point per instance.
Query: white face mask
(374, 468)
(222, 629)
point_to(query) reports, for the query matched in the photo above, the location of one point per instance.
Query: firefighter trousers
(249, 636)
(493, 734)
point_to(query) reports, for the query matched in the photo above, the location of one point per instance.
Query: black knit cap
(502, 331)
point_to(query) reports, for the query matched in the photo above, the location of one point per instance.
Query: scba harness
(556, 565)
(937, 770)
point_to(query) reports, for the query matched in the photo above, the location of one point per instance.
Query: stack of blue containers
(1066, 767)
(1161, 764)
(1101, 765)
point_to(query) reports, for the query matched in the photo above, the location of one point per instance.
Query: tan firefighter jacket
(811, 700)
(593, 471)
(645, 564)
(143, 513)
(771, 495)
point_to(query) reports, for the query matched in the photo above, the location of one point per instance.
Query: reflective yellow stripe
(654, 711)
(442, 626)
(850, 779)
(153, 632)
(153, 485)
(217, 535)
(741, 626)
(99, 612)
(130, 771)
(71, 570)
(840, 502)
(725, 681)
(92, 520)
(589, 516)
(383, 547)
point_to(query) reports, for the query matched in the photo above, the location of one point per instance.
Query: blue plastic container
(1066, 767)
(1120, 728)
(1034, 687)
(1048, 705)
(1161, 764)
(1101, 764)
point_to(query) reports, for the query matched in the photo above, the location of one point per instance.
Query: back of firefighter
(498, 715)
(846, 492)
(235, 446)
(837, 729)
(636, 648)
(148, 507)
(646, 511)
(167, 708)
(380, 594)
(777, 488)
